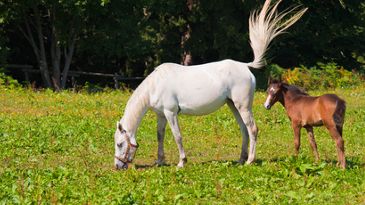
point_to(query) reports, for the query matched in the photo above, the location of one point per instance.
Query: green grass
(59, 147)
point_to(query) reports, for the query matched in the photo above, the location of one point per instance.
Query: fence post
(73, 82)
(26, 75)
(116, 82)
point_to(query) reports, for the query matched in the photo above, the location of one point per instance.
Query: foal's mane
(294, 89)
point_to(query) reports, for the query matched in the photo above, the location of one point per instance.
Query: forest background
(131, 38)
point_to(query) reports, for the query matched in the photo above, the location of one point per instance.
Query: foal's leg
(312, 141)
(296, 128)
(174, 125)
(161, 125)
(243, 129)
(340, 144)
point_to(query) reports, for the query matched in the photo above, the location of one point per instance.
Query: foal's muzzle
(267, 106)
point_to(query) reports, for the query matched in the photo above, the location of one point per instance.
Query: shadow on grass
(351, 162)
(149, 166)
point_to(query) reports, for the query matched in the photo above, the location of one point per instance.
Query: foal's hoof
(341, 165)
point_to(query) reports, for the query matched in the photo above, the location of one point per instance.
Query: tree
(52, 28)
(133, 37)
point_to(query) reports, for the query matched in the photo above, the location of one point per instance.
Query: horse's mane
(137, 105)
(295, 89)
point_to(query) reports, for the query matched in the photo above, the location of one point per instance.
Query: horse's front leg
(174, 125)
(312, 141)
(161, 127)
(296, 128)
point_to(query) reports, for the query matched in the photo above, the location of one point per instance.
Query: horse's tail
(339, 114)
(265, 25)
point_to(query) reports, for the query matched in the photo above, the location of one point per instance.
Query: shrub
(7, 81)
(321, 76)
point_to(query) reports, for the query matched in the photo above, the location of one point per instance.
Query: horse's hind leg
(243, 129)
(174, 125)
(161, 127)
(247, 117)
(242, 98)
(312, 142)
(340, 144)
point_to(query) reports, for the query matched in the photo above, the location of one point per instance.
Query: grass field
(58, 148)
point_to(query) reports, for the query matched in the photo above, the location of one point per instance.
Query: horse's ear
(119, 127)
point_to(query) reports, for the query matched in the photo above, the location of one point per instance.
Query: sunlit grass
(58, 148)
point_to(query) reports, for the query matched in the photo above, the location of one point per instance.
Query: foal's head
(274, 93)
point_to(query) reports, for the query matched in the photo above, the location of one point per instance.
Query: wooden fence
(28, 69)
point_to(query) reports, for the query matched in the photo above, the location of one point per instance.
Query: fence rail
(27, 69)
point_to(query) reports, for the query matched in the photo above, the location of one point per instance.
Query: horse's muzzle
(120, 166)
(267, 106)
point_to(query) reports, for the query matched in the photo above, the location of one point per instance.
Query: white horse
(201, 89)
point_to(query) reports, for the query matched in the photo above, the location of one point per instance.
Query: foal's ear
(272, 81)
(269, 80)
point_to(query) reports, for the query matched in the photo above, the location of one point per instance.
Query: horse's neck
(288, 98)
(136, 108)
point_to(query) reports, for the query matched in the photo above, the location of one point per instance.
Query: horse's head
(274, 93)
(124, 149)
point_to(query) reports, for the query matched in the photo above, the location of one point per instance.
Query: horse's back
(221, 74)
(314, 110)
(198, 89)
(331, 101)
(333, 106)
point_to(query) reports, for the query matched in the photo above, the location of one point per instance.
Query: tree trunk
(186, 57)
(68, 57)
(42, 51)
(55, 53)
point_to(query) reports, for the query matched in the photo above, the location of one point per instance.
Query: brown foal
(308, 111)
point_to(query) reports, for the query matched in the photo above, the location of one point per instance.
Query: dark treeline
(133, 37)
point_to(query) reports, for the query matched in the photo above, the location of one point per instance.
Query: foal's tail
(266, 25)
(339, 114)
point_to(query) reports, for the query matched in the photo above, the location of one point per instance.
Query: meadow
(58, 148)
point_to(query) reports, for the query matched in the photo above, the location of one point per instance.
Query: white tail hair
(266, 25)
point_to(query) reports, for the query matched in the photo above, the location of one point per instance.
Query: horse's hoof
(250, 161)
(182, 163)
(241, 161)
(160, 163)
